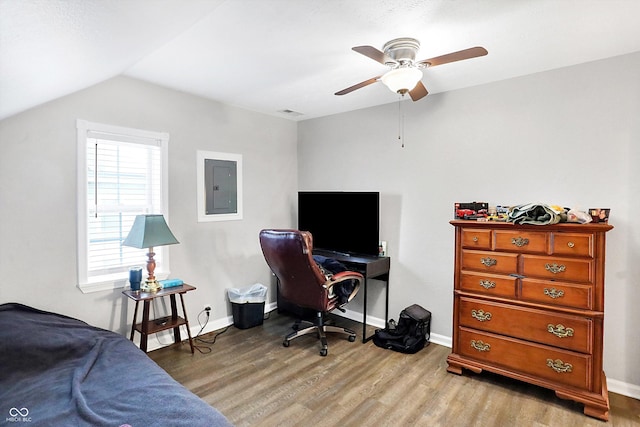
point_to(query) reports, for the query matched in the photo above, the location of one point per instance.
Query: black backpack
(410, 335)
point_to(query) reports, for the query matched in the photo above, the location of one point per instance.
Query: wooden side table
(153, 326)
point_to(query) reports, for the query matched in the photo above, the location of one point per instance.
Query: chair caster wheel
(352, 338)
(323, 352)
(285, 343)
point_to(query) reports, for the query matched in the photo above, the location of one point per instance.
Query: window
(122, 173)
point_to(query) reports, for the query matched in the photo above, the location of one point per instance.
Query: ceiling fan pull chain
(400, 122)
(402, 130)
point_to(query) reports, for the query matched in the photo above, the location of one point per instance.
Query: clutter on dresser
(470, 210)
(599, 214)
(528, 213)
(536, 214)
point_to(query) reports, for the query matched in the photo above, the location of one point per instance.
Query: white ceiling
(274, 55)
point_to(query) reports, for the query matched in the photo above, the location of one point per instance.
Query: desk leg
(386, 303)
(364, 314)
(145, 326)
(174, 317)
(184, 311)
(135, 316)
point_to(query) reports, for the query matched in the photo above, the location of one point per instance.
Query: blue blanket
(55, 370)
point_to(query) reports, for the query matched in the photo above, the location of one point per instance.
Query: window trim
(117, 280)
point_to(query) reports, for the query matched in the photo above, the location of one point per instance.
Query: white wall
(38, 197)
(569, 137)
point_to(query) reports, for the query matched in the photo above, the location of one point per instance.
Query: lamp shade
(149, 231)
(402, 80)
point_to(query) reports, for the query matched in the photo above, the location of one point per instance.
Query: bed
(56, 370)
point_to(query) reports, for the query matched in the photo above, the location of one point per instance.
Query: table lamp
(149, 231)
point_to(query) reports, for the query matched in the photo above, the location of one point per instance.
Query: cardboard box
(470, 210)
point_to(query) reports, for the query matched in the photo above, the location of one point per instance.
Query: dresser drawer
(474, 238)
(491, 262)
(560, 366)
(563, 331)
(488, 284)
(571, 269)
(558, 293)
(572, 244)
(522, 241)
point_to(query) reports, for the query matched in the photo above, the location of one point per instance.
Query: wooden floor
(252, 379)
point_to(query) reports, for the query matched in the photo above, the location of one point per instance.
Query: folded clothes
(537, 214)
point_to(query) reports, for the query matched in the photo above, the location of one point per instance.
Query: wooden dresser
(529, 304)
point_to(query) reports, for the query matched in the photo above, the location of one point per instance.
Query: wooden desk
(147, 326)
(371, 267)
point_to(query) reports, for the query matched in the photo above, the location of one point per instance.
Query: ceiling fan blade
(418, 92)
(373, 53)
(358, 86)
(473, 52)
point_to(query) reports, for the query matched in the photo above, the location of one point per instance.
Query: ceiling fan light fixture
(402, 80)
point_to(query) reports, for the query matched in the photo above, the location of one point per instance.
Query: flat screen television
(341, 221)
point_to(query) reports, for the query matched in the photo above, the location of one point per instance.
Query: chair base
(320, 329)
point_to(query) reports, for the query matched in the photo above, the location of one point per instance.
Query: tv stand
(371, 267)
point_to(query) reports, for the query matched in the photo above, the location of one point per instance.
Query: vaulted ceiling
(275, 55)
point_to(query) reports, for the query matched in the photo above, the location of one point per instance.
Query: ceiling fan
(406, 73)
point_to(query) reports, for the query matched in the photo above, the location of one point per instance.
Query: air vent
(290, 113)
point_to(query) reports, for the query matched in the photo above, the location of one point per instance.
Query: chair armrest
(342, 277)
(346, 275)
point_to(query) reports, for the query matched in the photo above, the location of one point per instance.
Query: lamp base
(151, 286)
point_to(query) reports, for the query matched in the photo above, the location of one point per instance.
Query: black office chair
(289, 255)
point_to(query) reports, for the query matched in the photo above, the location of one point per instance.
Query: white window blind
(123, 176)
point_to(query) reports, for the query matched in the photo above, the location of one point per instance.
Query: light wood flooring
(254, 381)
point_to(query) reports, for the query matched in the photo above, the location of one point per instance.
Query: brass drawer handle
(519, 241)
(571, 244)
(488, 261)
(480, 346)
(480, 315)
(555, 268)
(560, 331)
(475, 238)
(553, 293)
(487, 284)
(559, 366)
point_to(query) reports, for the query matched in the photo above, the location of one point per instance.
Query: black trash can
(247, 305)
(247, 315)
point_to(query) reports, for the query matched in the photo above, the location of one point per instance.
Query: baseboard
(165, 338)
(357, 317)
(442, 340)
(380, 323)
(625, 389)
